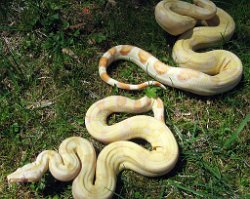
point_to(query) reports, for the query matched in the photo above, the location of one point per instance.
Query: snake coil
(96, 178)
(202, 73)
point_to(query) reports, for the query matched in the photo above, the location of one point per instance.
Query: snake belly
(96, 177)
(201, 73)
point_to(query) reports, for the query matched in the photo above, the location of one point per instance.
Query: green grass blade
(229, 142)
(214, 170)
(179, 186)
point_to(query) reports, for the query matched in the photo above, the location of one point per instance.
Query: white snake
(204, 73)
(96, 178)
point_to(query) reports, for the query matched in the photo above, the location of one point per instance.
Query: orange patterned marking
(125, 50)
(112, 51)
(138, 104)
(160, 67)
(100, 106)
(183, 77)
(103, 61)
(144, 56)
(121, 101)
(188, 75)
(157, 84)
(143, 85)
(159, 104)
(105, 77)
(123, 86)
(162, 118)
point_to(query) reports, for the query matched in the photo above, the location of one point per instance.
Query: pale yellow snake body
(202, 73)
(96, 178)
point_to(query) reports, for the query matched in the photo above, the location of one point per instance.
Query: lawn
(49, 53)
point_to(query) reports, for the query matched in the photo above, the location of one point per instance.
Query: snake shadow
(55, 187)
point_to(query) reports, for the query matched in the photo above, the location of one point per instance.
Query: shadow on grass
(55, 187)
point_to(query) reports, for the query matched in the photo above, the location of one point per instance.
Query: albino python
(202, 73)
(96, 178)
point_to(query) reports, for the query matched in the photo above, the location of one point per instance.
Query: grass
(45, 92)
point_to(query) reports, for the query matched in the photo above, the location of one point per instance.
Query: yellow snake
(202, 73)
(96, 178)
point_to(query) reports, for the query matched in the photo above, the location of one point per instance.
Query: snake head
(27, 173)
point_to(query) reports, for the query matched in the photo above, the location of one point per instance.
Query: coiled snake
(93, 178)
(202, 73)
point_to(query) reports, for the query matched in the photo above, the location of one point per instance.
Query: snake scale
(96, 178)
(202, 73)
